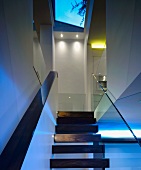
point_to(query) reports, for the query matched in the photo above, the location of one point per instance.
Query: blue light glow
(38, 132)
(119, 133)
(64, 14)
(8, 104)
(49, 112)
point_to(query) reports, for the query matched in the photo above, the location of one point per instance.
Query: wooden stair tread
(78, 127)
(75, 114)
(79, 163)
(74, 120)
(61, 149)
(73, 138)
(71, 129)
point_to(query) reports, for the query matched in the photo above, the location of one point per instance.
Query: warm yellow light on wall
(98, 46)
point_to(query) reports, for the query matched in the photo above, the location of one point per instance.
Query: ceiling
(41, 14)
(69, 35)
(97, 28)
(97, 32)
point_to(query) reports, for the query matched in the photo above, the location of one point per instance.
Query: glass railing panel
(95, 99)
(71, 102)
(100, 63)
(130, 108)
(111, 121)
(111, 125)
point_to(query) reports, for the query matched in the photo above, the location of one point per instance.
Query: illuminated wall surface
(64, 13)
(70, 54)
(123, 156)
(18, 82)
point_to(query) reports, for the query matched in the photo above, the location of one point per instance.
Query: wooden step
(71, 129)
(75, 120)
(61, 149)
(79, 163)
(74, 138)
(75, 114)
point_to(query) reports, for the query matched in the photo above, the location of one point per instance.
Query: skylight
(64, 12)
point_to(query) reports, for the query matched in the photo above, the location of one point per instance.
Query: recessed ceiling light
(76, 35)
(61, 35)
(69, 97)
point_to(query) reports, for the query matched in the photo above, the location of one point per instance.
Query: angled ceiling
(69, 35)
(97, 31)
(41, 14)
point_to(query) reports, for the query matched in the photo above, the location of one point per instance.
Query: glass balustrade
(71, 102)
(112, 120)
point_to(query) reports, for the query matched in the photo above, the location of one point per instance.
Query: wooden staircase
(78, 127)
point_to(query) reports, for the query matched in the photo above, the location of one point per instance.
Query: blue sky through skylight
(63, 12)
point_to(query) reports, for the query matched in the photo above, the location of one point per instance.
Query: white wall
(70, 65)
(38, 58)
(123, 43)
(18, 82)
(85, 70)
(71, 102)
(123, 156)
(100, 64)
(46, 42)
(69, 62)
(90, 70)
(53, 46)
(96, 63)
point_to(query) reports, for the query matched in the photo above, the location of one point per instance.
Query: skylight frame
(65, 22)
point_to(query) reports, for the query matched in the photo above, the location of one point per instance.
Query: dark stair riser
(71, 129)
(74, 138)
(79, 163)
(61, 149)
(73, 120)
(76, 114)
